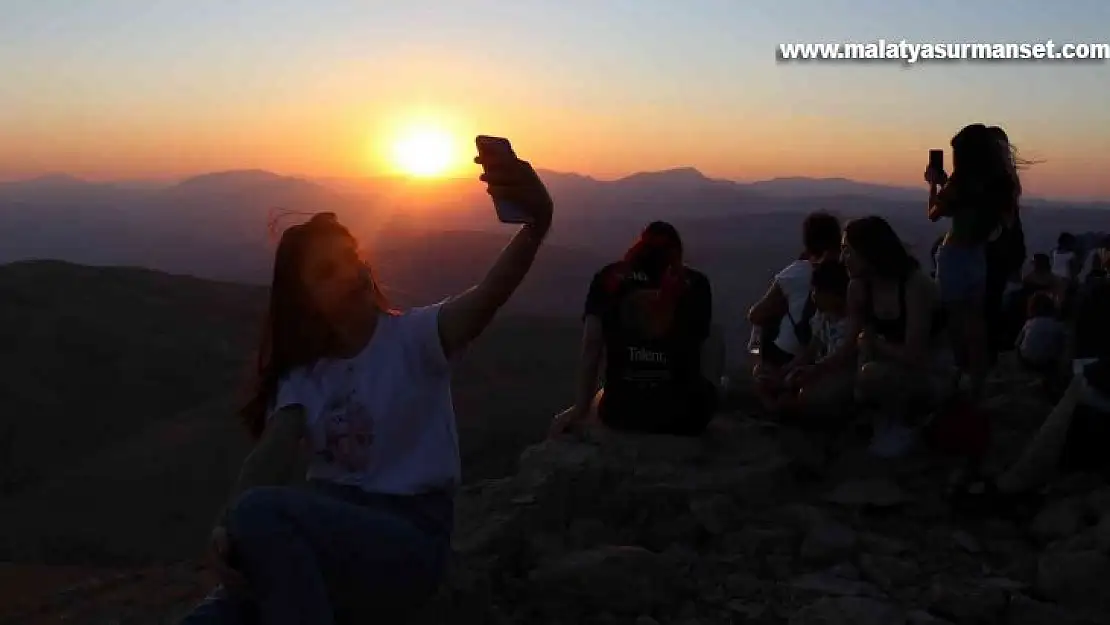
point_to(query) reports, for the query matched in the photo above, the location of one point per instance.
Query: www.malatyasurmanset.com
(909, 53)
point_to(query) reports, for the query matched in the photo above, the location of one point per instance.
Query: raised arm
(940, 202)
(466, 315)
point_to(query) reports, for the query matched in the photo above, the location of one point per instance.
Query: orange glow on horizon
(425, 143)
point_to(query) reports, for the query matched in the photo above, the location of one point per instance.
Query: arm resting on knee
(274, 457)
(593, 347)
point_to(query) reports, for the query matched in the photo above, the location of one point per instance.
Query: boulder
(849, 611)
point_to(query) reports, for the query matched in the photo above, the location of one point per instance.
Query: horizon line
(171, 181)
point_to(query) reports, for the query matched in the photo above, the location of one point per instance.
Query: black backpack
(802, 329)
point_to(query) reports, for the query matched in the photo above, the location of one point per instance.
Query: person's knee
(257, 514)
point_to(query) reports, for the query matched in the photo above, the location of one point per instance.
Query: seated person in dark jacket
(648, 318)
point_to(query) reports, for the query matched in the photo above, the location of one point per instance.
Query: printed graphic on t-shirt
(348, 434)
(647, 367)
(830, 333)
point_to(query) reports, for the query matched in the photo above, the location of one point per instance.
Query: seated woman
(780, 319)
(648, 317)
(894, 309)
(821, 381)
(1071, 439)
(1042, 342)
(367, 389)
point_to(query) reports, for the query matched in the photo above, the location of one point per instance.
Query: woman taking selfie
(368, 390)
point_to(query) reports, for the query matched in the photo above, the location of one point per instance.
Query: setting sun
(424, 152)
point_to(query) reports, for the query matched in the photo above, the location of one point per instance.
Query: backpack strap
(808, 311)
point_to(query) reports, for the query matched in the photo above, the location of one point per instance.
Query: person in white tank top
(1063, 257)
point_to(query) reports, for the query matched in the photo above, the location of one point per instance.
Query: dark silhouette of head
(820, 235)
(829, 284)
(654, 261)
(872, 248)
(1041, 304)
(319, 281)
(1042, 263)
(658, 248)
(1066, 241)
(984, 169)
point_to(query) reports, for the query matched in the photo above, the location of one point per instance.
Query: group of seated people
(855, 321)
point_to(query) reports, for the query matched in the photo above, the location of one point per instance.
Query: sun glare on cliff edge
(424, 151)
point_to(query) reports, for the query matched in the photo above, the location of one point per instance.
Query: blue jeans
(961, 272)
(300, 549)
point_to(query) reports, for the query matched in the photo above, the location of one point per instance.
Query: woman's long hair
(294, 334)
(984, 171)
(657, 256)
(874, 240)
(1013, 159)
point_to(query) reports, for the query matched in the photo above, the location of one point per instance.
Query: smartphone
(497, 152)
(936, 160)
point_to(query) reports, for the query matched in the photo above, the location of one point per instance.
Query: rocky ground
(750, 525)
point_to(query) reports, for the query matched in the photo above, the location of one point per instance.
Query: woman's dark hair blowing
(877, 244)
(294, 334)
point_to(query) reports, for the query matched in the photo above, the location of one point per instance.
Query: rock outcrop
(641, 530)
(739, 526)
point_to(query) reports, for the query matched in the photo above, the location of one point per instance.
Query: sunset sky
(133, 89)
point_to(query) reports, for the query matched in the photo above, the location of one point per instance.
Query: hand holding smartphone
(499, 162)
(934, 172)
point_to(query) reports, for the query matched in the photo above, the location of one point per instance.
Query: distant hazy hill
(430, 239)
(90, 356)
(118, 438)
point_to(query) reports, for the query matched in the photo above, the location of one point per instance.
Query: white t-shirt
(1061, 263)
(382, 420)
(794, 281)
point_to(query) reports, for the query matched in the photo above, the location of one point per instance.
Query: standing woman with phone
(974, 198)
(368, 389)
